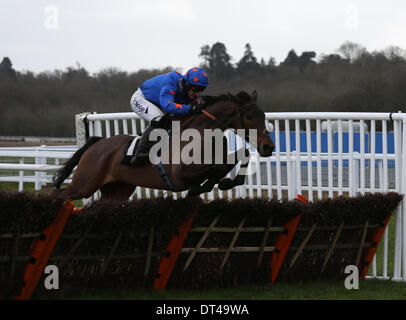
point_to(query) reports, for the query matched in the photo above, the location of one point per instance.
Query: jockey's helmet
(197, 78)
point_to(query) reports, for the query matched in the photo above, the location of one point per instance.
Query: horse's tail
(63, 173)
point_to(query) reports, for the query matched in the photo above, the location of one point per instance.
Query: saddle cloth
(129, 150)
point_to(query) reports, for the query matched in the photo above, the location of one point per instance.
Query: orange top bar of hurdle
(44, 251)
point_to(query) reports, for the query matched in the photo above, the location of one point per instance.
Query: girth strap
(164, 176)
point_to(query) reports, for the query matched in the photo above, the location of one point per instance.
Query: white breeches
(144, 108)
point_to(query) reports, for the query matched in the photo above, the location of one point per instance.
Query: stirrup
(141, 156)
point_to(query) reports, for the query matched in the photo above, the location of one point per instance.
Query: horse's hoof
(192, 193)
(226, 184)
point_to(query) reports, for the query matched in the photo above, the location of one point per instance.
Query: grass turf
(368, 290)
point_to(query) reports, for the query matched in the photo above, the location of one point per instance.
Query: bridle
(223, 126)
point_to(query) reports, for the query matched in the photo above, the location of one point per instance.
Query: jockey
(171, 93)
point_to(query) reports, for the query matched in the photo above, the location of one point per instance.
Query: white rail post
(398, 186)
(362, 160)
(270, 128)
(116, 127)
(385, 188)
(81, 134)
(107, 126)
(259, 176)
(319, 173)
(38, 174)
(351, 162)
(298, 162)
(21, 176)
(278, 161)
(372, 161)
(330, 158)
(340, 157)
(291, 183)
(125, 126)
(356, 179)
(403, 205)
(309, 160)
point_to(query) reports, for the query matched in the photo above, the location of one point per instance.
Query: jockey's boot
(141, 156)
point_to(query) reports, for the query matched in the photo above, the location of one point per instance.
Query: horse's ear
(235, 99)
(254, 96)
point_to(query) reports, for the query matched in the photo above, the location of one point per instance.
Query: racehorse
(99, 164)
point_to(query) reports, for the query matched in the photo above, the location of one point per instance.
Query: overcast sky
(42, 35)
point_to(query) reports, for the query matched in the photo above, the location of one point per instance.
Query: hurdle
(42, 249)
(167, 262)
(283, 242)
(175, 247)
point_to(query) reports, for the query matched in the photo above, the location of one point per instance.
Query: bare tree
(394, 53)
(351, 50)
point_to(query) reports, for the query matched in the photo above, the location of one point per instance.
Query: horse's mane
(210, 100)
(207, 100)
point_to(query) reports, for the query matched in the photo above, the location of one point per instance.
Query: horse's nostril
(267, 150)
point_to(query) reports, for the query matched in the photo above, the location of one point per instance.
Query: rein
(211, 116)
(204, 112)
(221, 124)
(208, 114)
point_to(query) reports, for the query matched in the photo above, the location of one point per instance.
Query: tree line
(350, 79)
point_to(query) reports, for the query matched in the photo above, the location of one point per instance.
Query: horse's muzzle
(266, 151)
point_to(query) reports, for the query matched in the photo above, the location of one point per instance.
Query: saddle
(129, 150)
(165, 122)
(132, 146)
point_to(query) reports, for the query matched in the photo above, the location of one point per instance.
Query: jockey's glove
(196, 101)
(196, 109)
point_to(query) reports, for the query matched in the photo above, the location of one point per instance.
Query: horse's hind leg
(72, 192)
(84, 184)
(116, 191)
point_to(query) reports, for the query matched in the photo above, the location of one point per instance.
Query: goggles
(196, 88)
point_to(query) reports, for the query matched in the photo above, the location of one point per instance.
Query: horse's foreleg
(213, 175)
(217, 172)
(242, 155)
(197, 189)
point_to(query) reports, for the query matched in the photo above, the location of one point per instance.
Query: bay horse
(99, 164)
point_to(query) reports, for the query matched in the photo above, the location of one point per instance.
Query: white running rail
(318, 155)
(34, 165)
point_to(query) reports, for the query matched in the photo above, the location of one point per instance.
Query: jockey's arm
(166, 100)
